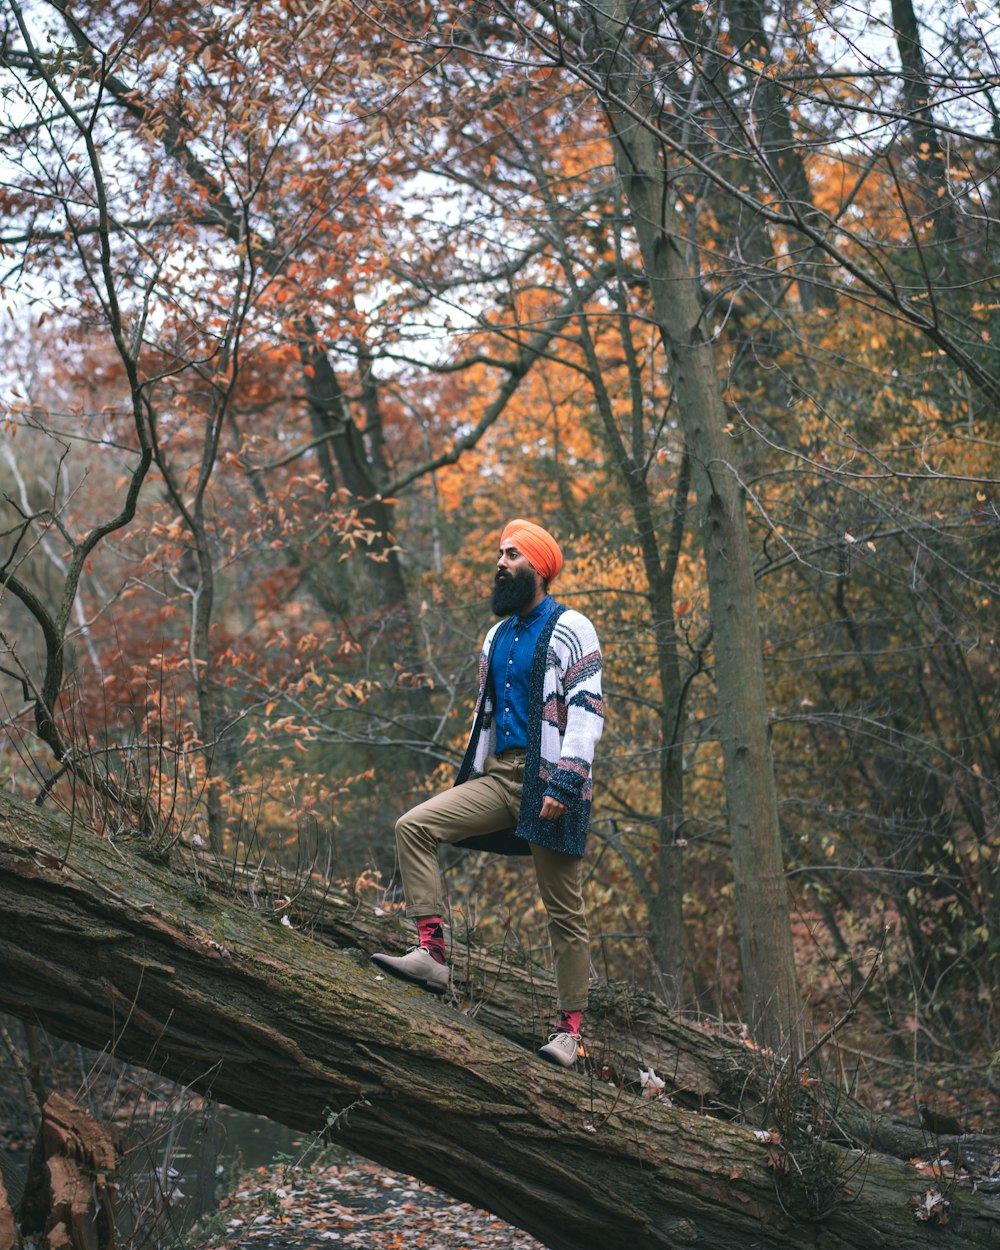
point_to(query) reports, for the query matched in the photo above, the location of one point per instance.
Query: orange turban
(537, 544)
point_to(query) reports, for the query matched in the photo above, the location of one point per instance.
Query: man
(524, 786)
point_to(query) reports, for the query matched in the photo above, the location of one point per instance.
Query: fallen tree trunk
(106, 945)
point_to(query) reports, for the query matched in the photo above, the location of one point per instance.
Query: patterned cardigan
(565, 720)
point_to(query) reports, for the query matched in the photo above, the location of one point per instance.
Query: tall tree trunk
(782, 157)
(773, 1004)
(929, 166)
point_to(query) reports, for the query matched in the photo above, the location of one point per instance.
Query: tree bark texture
(774, 1006)
(106, 946)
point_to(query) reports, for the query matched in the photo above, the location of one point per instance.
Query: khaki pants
(485, 805)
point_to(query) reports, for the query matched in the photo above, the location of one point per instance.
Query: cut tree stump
(69, 1195)
(10, 1238)
(106, 944)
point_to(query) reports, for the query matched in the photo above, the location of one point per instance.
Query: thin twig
(852, 1006)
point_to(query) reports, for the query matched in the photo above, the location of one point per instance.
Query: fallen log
(105, 944)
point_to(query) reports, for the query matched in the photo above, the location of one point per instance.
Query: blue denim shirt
(510, 671)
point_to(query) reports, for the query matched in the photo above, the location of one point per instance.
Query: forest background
(306, 299)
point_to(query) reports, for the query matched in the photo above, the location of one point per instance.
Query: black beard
(512, 592)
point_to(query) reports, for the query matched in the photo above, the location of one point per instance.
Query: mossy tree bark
(108, 947)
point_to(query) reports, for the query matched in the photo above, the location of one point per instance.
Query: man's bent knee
(407, 829)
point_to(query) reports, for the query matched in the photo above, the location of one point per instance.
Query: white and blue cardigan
(565, 720)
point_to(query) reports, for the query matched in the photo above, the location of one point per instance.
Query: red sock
(569, 1022)
(431, 933)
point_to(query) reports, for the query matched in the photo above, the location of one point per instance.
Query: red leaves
(777, 1161)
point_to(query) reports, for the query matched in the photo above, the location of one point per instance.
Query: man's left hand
(552, 809)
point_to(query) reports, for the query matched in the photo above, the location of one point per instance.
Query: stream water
(177, 1163)
(202, 1154)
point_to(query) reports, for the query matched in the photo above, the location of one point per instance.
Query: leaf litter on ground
(355, 1206)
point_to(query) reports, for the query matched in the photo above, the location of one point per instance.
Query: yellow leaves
(289, 725)
(358, 692)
